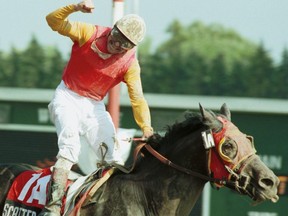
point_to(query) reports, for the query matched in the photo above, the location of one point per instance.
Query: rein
(164, 160)
(240, 184)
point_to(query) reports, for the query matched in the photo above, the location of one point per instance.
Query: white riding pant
(75, 116)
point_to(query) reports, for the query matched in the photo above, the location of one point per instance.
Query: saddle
(27, 195)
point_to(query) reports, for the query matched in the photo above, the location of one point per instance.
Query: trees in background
(280, 79)
(34, 67)
(197, 59)
(211, 60)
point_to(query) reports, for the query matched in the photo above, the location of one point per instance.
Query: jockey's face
(117, 42)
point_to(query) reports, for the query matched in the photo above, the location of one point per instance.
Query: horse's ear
(203, 111)
(210, 119)
(225, 111)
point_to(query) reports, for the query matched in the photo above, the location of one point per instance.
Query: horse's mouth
(260, 197)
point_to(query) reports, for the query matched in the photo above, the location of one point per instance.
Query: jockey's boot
(56, 192)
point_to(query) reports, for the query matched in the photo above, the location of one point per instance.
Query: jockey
(101, 57)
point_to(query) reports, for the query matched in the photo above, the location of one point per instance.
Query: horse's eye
(229, 149)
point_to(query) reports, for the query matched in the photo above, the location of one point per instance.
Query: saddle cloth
(27, 195)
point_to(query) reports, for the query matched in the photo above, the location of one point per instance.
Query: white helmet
(133, 27)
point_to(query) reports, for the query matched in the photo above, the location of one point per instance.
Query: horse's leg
(8, 172)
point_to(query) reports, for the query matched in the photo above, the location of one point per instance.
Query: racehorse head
(232, 159)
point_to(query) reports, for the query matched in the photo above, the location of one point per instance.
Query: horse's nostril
(266, 182)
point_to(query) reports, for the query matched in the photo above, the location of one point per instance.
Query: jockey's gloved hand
(85, 6)
(147, 132)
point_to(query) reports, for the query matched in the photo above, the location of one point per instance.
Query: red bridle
(219, 165)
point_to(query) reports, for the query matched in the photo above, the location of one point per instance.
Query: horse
(169, 171)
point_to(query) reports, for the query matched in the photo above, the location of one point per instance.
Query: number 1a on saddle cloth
(27, 195)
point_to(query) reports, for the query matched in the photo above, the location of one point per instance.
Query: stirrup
(104, 150)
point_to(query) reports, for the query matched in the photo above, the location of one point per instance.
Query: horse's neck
(173, 192)
(178, 191)
(180, 195)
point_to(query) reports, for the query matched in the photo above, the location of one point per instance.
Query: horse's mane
(192, 121)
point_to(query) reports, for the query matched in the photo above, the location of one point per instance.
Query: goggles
(120, 40)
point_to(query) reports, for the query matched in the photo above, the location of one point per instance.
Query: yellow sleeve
(77, 31)
(140, 107)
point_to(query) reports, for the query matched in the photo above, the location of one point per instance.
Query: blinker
(222, 155)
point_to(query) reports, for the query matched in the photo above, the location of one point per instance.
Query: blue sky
(257, 20)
